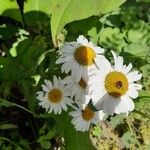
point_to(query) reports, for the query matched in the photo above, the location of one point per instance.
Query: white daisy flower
(54, 96)
(78, 89)
(84, 116)
(112, 87)
(80, 56)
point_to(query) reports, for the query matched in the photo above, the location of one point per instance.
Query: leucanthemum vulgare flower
(54, 96)
(84, 116)
(78, 89)
(80, 56)
(113, 87)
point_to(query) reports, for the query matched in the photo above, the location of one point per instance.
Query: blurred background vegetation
(31, 32)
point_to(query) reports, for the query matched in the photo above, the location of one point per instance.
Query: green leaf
(139, 33)
(29, 93)
(36, 12)
(7, 126)
(6, 103)
(39, 6)
(22, 36)
(27, 53)
(146, 78)
(138, 50)
(143, 104)
(10, 8)
(7, 32)
(46, 144)
(112, 38)
(144, 1)
(7, 72)
(116, 120)
(97, 131)
(70, 10)
(74, 140)
(51, 134)
(89, 26)
(128, 139)
(111, 19)
(44, 140)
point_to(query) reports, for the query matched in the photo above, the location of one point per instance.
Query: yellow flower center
(82, 83)
(55, 95)
(85, 55)
(87, 113)
(116, 84)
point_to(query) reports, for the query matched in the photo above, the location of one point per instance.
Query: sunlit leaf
(71, 10)
(39, 11)
(97, 131)
(10, 8)
(135, 49)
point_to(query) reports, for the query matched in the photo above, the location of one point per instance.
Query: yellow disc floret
(55, 95)
(82, 83)
(85, 55)
(87, 113)
(116, 84)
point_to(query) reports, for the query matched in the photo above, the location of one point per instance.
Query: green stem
(23, 108)
(141, 97)
(130, 128)
(11, 104)
(8, 140)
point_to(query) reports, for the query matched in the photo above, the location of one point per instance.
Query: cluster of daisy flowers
(93, 87)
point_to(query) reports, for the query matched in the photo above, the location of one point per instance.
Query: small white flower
(84, 116)
(112, 87)
(54, 96)
(79, 57)
(78, 89)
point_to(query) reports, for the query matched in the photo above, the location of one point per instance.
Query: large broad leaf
(69, 10)
(7, 4)
(10, 8)
(45, 6)
(37, 11)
